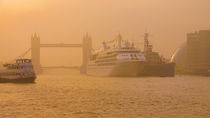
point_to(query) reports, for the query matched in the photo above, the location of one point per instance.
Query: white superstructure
(115, 57)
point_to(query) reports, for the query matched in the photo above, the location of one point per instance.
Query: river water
(63, 93)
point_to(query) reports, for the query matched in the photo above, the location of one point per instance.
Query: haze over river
(65, 93)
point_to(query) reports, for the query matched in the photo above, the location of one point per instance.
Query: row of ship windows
(102, 57)
(105, 57)
(19, 67)
(9, 74)
(104, 64)
(114, 59)
(106, 60)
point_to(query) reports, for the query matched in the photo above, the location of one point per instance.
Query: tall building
(194, 56)
(198, 51)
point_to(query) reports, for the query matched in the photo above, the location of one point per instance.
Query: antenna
(146, 31)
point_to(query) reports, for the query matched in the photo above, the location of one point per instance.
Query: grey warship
(155, 64)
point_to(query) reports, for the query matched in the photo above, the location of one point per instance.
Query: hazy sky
(65, 21)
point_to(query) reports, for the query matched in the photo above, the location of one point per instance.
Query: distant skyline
(67, 21)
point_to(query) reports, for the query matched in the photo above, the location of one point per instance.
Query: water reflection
(67, 93)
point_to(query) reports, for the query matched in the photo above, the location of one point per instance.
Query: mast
(146, 42)
(147, 46)
(119, 40)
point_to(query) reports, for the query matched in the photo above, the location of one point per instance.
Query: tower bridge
(36, 45)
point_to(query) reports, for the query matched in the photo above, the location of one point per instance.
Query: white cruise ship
(21, 71)
(116, 58)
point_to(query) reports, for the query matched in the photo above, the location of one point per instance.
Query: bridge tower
(87, 48)
(35, 52)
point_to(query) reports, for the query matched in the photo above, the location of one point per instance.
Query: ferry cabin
(23, 68)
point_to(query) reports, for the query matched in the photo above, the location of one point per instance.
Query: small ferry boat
(21, 71)
(119, 59)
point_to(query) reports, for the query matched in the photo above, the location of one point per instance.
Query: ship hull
(135, 69)
(18, 80)
(161, 70)
(126, 69)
